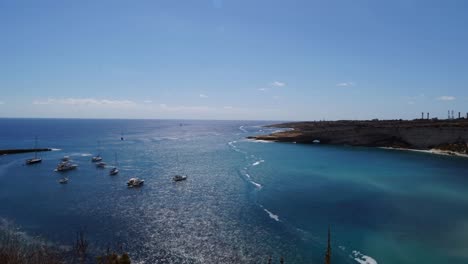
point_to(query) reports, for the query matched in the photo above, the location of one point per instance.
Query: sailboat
(35, 159)
(179, 177)
(114, 170)
(98, 156)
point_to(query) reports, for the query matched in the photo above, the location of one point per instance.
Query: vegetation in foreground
(16, 248)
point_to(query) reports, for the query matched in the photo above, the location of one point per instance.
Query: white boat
(135, 182)
(114, 171)
(96, 158)
(63, 180)
(65, 166)
(101, 164)
(35, 159)
(66, 158)
(179, 178)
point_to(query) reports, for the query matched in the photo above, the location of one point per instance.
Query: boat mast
(35, 147)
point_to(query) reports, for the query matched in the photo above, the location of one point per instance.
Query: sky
(233, 59)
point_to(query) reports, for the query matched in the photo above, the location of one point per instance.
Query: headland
(443, 136)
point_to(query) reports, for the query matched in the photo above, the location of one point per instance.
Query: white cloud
(263, 89)
(346, 84)
(83, 101)
(1, 102)
(147, 101)
(228, 107)
(278, 84)
(446, 98)
(203, 96)
(411, 102)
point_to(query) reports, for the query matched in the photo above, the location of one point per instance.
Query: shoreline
(430, 151)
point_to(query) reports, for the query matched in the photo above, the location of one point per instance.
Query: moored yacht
(101, 164)
(96, 158)
(66, 158)
(35, 159)
(63, 180)
(179, 178)
(114, 171)
(135, 182)
(66, 166)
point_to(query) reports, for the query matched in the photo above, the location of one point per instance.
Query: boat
(35, 159)
(135, 182)
(96, 158)
(114, 170)
(66, 166)
(101, 164)
(66, 158)
(63, 180)
(179, 178)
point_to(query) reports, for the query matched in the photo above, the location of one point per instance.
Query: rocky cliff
(448, 135)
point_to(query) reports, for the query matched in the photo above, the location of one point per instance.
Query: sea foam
(241, 128)
(273, 216)
(257, 162)
(361, 258)
(258, 185)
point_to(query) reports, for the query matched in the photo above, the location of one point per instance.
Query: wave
(258, 185)
(257, 162)
(86, 154)
(55, 149)
(273, 216)
(361, 258)
(241, 128)
(234, 147)
(259, 141)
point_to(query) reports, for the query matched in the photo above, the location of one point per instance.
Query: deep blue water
(243, 200)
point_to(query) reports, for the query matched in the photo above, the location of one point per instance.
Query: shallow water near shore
(243, 200)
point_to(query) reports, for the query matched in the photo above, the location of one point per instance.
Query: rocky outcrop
(450, 135)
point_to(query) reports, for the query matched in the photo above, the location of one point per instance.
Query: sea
(244, 201)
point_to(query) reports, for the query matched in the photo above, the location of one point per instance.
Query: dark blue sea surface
(243, 201)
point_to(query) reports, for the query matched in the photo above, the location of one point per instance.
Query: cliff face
(450, 135)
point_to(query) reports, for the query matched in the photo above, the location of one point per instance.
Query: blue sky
(273, 60)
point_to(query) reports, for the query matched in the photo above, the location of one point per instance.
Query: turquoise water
(243, 201)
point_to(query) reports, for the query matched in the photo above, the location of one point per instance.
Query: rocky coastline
(444, 136)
